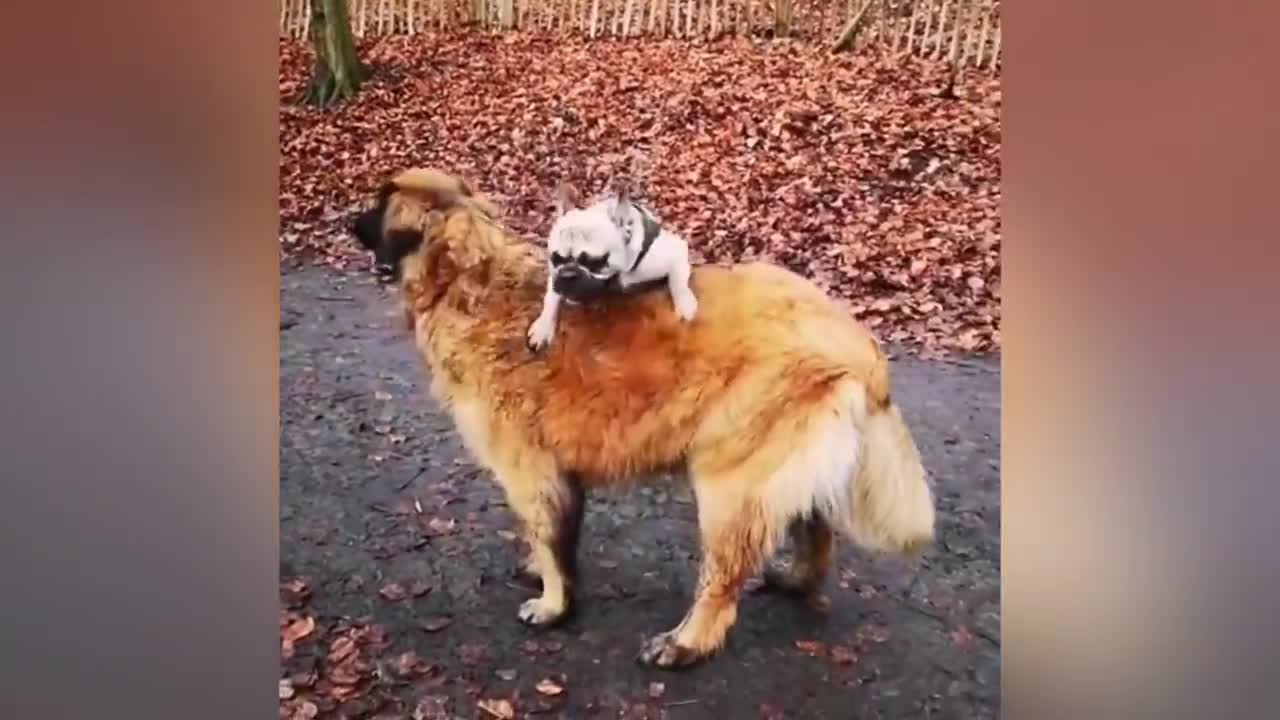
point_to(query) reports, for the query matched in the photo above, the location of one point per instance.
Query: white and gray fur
(609, 235)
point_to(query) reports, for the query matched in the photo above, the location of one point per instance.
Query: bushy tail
(891, 502)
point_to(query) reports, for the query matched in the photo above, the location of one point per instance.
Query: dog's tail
(890, 506)
(859, 468)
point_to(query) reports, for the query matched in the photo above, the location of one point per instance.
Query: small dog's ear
(621, 205)
(566, 198)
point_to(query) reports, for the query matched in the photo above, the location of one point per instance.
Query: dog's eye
(594, 264)
(558, 259)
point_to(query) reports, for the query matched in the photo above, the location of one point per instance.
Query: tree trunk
(850, 32)
(337, 74)
(782, 18)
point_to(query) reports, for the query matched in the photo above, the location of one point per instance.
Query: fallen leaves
(348, 666)
(432, 707)
(842, 655)
(439, 526)
(549, 687)
(393, 592)
(848, 170)
(498, 708)
(408, 665)
(435, 624)
(294, 593)
(298, 710)
(297, 627)
(812, 648)
(293, 628)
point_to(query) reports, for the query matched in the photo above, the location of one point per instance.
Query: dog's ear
(566, 198)
(367, 227)
(619, 208)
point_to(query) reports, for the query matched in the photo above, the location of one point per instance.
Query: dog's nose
(567, 277)
(383, 270)
(568, 273)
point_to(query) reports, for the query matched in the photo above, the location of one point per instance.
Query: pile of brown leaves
(852, 170)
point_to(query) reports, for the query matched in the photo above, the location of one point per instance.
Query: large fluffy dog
(773, 402)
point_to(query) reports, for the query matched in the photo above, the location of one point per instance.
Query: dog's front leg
(549, 507)
(544, 327)
(678, 284)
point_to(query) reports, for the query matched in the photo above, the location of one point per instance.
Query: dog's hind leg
(814, 542)
(550, 511)
(736, 538)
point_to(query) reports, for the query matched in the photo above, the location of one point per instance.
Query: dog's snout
(567, 279)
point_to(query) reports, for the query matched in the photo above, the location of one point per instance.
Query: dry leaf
(507, 535)
(418, 588)
(341, 649)
(440, 526)
(432, 707)
(498, 708)
(408, 664)
(345, 674)
(393, 592)
(297, 628)
(294, 593)
(382, 395)
(811, 648)
(286, 689)
(842, 655)
(656, 690)
(549, 687)
(436, 624)
(505, 674)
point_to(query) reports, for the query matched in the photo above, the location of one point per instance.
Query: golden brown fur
(774, 402)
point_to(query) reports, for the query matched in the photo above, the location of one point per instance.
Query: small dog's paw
(540, 333)
(686, 306)
(663, 651)
(536, 611)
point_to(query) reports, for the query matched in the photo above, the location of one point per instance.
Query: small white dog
(609, 246)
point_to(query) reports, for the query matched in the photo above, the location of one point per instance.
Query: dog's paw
(664, 652)
(790, 580)
(540, 333)
(537, 611)
(686, 306)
